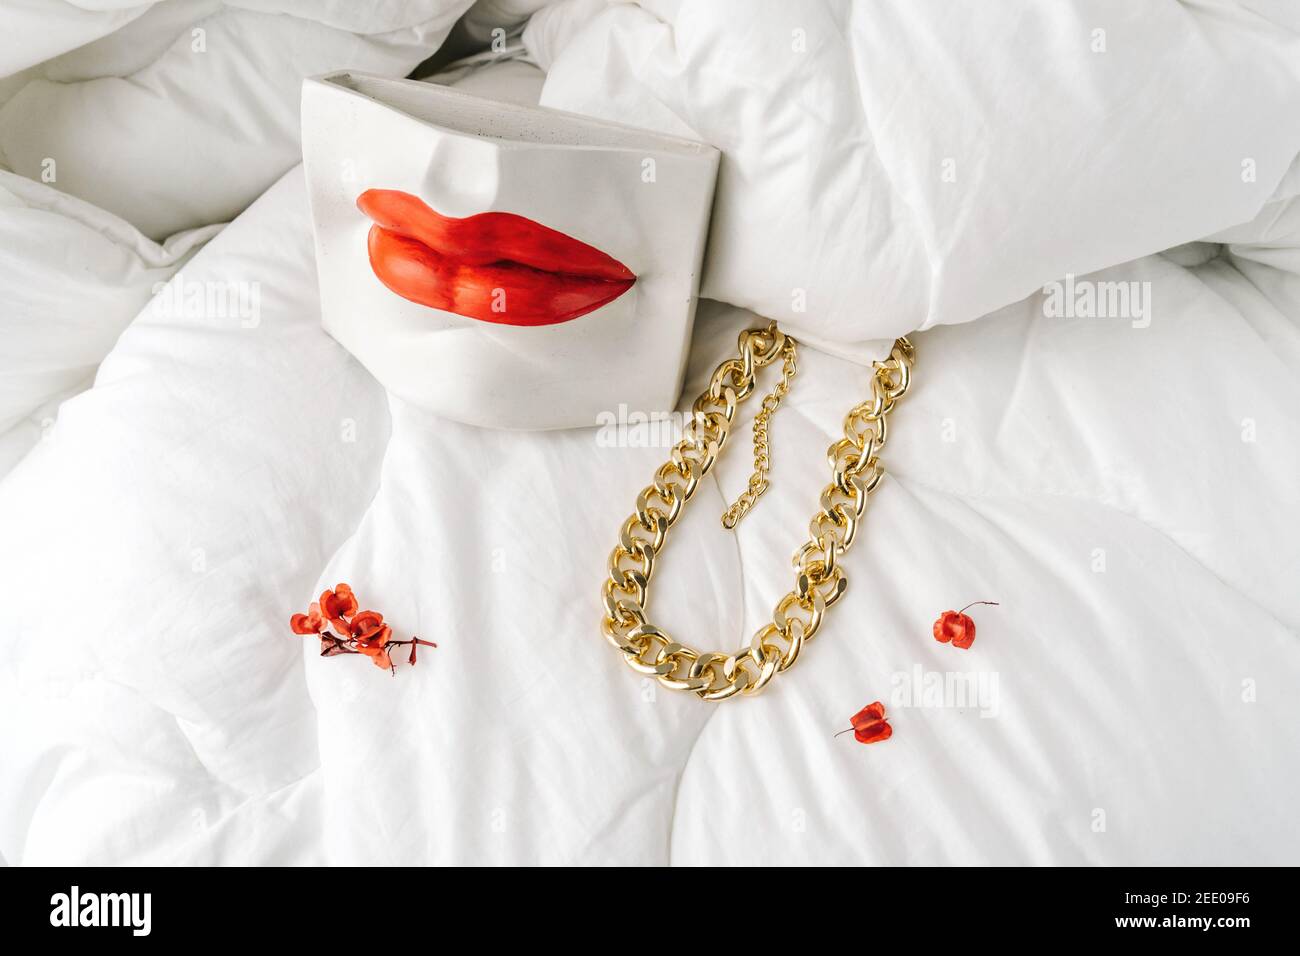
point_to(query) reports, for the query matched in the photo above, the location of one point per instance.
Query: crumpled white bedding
(1127, 493)
(130, 119)
(906, 163)
(72, 278)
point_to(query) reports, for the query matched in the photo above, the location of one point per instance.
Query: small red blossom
(371, 639)
(309, 623)
(869, 725)
(365, 625)
(957, 626)
(357, 633)
(338, 605)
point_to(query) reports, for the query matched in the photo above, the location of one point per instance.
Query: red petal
(868, 715)
(873, 733)
(964, 635)
(300, 624)
(347, 600)
(366, 624)
(328, 604)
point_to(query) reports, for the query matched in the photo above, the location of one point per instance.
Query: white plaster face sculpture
(501, 265)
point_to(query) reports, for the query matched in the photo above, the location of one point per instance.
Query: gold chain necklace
(819, 581)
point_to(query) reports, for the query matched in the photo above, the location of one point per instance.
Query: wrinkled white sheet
(1127, 493)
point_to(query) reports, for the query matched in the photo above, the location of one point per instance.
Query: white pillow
(897, 165)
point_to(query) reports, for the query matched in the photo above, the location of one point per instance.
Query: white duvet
(1124, 485)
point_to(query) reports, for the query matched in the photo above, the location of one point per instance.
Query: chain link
(762, 460)
(819, 578)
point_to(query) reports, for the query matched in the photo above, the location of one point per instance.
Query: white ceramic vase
(575, 296)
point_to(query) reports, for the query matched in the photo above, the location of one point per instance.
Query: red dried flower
(338, 604)
(869, 725)
(309, 623)
(363, 633)
(365, 625)
(373, 640)
(957, 626)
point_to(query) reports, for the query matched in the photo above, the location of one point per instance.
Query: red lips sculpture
(495, 266)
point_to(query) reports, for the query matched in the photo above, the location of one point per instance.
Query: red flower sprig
(870, 725)
(358, 633)
(957, 626)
